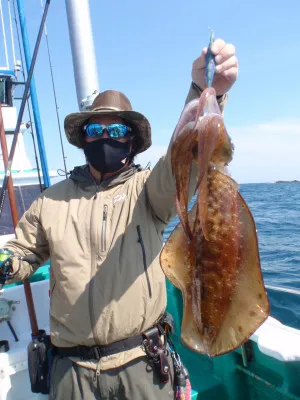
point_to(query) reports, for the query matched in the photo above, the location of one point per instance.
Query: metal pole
(83, 50)
(35, 107)
(15, 218)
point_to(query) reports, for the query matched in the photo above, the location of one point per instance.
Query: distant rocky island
(294, 181)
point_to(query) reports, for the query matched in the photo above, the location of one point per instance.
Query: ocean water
(276, 211)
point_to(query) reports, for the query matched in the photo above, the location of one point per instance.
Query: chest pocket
(103, 234)
(141, 242)
(108, 220)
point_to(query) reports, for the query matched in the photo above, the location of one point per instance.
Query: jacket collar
(83, 176)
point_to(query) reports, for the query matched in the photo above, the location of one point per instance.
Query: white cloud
(264, 152)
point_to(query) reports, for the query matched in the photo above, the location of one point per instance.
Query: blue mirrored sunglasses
(115, 131)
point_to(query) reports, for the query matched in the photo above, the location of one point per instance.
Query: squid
(212, 255)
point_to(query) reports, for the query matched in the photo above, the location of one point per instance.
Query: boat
(267, 366)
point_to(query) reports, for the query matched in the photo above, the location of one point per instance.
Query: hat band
(107, 109)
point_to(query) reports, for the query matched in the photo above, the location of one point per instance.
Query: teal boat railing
(230, 376)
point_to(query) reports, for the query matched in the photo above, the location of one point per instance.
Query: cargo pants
(133, 381)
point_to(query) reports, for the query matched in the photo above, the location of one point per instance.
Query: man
(102, 230)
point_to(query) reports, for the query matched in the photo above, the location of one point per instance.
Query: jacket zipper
(94, 227)
(104, 223)
(140, 240)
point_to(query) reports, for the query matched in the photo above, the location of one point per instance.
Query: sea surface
(276, 211)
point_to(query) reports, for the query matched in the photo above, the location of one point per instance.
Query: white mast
(83, 51)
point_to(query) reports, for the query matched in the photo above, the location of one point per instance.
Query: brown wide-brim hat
(110, 102)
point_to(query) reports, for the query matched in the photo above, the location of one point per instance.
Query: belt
(96, 352)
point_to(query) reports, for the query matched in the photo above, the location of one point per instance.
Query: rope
(55, 98)
(28, 107)
(11, 33)
(4, 35)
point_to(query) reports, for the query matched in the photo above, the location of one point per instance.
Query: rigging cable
(55, 97)
(4, 35)
(28, 107)
(11, 34)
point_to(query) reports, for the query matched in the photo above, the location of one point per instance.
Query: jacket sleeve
(30, 240)
(160, 186)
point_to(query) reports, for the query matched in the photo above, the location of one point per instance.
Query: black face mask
(107, 155)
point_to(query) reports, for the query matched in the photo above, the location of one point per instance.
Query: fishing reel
(6, 265)
(6, 268)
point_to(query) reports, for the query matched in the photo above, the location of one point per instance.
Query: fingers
(222, 51)
(226, 60)
(217, 46)
(226, 65)
(231, 74)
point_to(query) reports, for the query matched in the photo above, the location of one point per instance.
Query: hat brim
(75, 122)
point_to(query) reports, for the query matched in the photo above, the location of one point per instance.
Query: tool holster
(157, 353)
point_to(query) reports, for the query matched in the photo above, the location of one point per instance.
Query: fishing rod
(22, 108)
(15, 219)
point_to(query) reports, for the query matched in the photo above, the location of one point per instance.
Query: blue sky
(146, 50)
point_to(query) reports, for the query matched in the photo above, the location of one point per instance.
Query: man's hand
(226, 67)
(5, 265)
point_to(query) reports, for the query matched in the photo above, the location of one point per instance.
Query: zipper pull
(97, 371)
(105, 212)
(104, 223)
